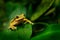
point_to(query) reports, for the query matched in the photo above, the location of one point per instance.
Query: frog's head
(19, 17)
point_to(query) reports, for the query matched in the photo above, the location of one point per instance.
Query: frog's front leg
(12, 25)
(12, 28)
(27, 21)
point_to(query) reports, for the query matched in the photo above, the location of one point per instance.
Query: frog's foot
(12, 28)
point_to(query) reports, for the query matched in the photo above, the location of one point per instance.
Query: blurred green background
(44, 13)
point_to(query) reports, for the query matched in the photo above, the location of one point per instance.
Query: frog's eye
(17, 16)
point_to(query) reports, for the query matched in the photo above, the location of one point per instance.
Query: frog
(17, 20)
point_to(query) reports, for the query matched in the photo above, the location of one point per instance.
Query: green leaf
(23, 32)
(57, 3)
(10, 7)
(50, 11)
(14, 7)
(52, 32)
(43, 7)
(29, 11)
